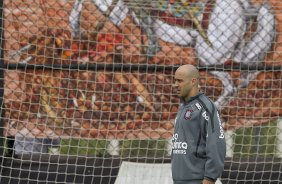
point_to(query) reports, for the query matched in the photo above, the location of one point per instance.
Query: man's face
(183, 83)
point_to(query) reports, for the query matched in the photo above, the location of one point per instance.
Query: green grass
(256, 141)
(253, 141)
(83, 147)
(128, 148)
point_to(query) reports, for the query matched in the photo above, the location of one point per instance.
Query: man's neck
(191, 95)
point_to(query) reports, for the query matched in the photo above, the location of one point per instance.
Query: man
(198, 143)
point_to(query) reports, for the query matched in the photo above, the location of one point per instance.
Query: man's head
(187, 81)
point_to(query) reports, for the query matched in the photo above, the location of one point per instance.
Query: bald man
(198, 143)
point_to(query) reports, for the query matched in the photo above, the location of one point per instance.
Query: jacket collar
(192, 98)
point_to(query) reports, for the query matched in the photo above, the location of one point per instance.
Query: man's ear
(194, 81)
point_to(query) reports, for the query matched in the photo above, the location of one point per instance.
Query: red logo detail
(188, 114)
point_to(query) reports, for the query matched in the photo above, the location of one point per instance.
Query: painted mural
(139, 105)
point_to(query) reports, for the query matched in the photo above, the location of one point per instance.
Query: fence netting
(94, 79)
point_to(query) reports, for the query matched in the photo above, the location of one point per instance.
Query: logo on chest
(188, 114)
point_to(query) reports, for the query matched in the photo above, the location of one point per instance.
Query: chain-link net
(96, 78)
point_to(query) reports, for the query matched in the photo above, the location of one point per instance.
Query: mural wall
(137, 105)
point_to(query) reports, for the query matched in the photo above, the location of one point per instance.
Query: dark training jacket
(198, 143)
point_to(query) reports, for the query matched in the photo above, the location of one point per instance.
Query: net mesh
(89, 84)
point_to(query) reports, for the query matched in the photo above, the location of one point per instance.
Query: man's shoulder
(203, 97)
(205, 101)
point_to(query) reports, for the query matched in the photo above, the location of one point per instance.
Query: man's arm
(215, 148)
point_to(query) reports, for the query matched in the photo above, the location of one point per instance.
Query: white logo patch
(221, 136)
(198, 106)
(178, 147)
(175, 120)
(204, 114)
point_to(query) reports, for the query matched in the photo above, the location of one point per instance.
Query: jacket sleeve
(215, 146)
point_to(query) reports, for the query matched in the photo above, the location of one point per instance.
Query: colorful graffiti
(216, 29)
(133, 105)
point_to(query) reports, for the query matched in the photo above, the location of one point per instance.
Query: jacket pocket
(198, 144)
(199, 152)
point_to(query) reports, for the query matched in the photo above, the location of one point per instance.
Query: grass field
(128, 148)
(256, 141)
(259, 141)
